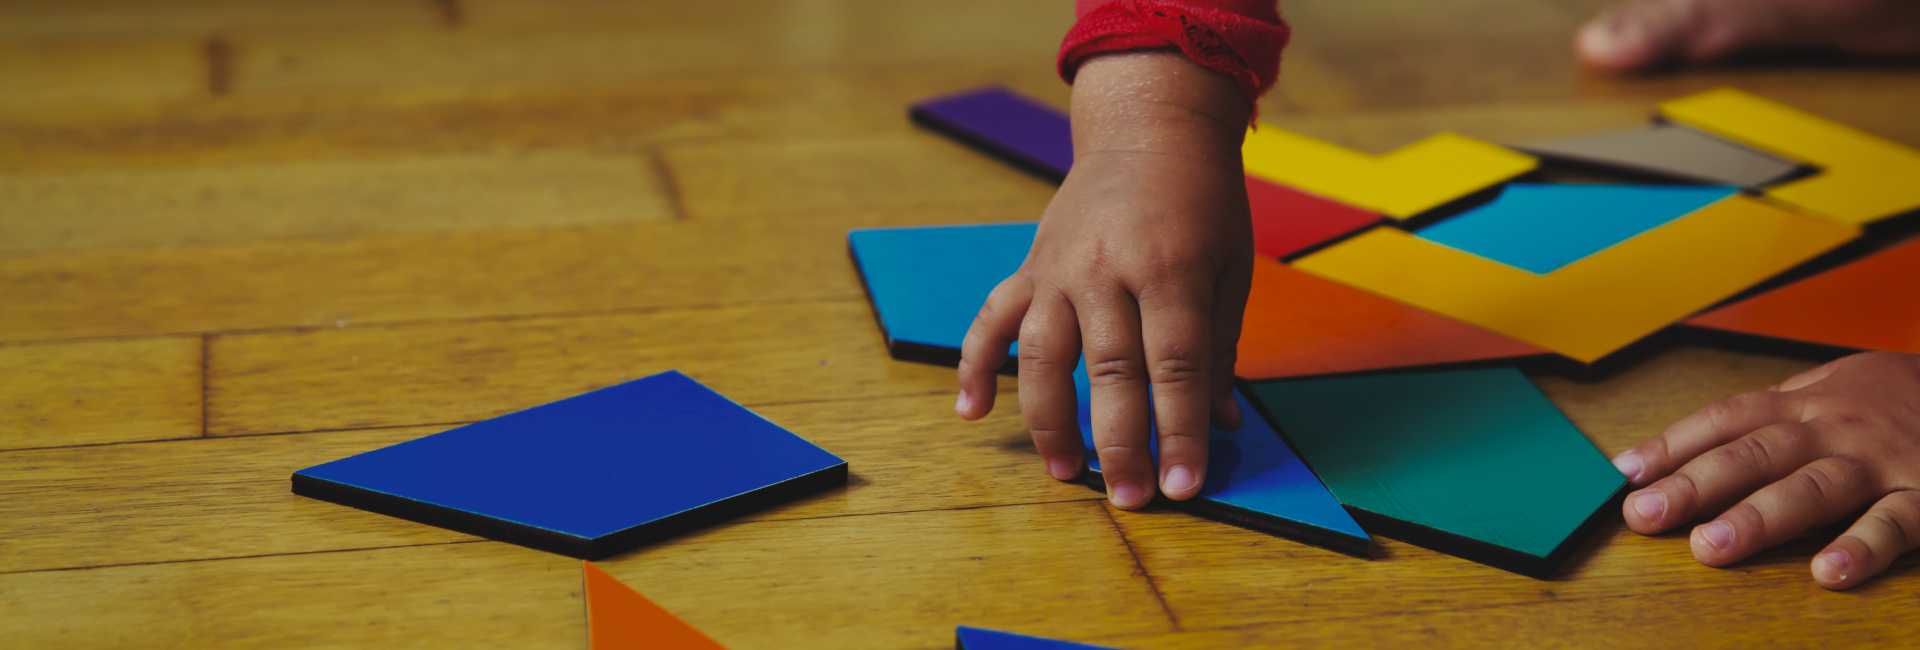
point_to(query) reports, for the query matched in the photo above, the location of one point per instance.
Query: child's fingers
(1049, 350)
(1177, 334)
(1229, 307)
(1720, 476)
(1710, 427)
(1820, 493)
(1890, 529)
(1117, 374)
(984, 350)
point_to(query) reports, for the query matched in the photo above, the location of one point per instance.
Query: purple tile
(1027, 133)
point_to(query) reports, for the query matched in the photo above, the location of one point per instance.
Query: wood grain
(94, 392)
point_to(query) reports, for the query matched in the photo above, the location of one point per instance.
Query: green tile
(1475, 462)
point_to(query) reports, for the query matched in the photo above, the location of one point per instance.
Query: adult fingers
(1720, 476)
(1177, 333)
(1049, 350)
(984, 350)
(1817, 494)
(1710, 427)
(1117, 374)
(1888, 530)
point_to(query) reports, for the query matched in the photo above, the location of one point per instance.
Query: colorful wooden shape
(976, 638)
(1593, 307)
(927, 283)
(619, 618)
(1541, 228)
(1403, 184)
(1475, 463)
(1299, 325)
(1870, 304)
(1287, 221)
(1027, 133)
(590, 475)
(1863, 178)
(1253, 480)
(1669, 151)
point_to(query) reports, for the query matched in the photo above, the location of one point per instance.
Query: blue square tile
(590, 475)
(976, 638)
(926, 283)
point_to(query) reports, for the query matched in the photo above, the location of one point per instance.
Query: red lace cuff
(1241, 39)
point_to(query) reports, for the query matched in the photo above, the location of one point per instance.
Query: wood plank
(194, 18)
(99, 391)
(465, 371)
(329, 199)
(899, 581)
(480, 595)
(226, 497)
(86, 77)
(420, 277)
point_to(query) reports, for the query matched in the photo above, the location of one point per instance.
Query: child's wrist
(1157, 103)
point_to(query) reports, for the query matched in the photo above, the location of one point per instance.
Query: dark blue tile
(1026, 133)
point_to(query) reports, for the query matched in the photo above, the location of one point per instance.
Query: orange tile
(1300, 325)
(619, 617)
(1868, 304)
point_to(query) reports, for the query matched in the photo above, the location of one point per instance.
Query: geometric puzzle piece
(587, 476)
(1287, 221)
(1607, 300)
(1401, 184)
(1671, 151)
(1863, 178)
(1299, 325)
(1025, 132)
(619, 617)
(1867, 304)
(1476, 463)
(976, 638)
(927, 283)
(1541, 228)
(1253, 480)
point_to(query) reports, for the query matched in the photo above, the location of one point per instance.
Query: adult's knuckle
(1724, 413)
(1748, 452)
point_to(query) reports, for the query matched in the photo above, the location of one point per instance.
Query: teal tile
(1541, 228)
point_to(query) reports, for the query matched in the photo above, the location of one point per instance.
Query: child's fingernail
(1718, 535)
(1128, 496)
(1061, 469)
(1630, 466)
(963, 404)
(1179, 479)
(1832, 566)
(1650, 505)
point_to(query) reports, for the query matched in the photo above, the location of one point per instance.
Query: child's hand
(1808, 452)
(1143, 260)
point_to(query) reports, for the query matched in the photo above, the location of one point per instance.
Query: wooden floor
(240, 237)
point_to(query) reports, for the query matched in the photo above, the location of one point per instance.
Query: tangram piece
(975, 638)
(1863, 178)
(1869, 304)
(1287, 221)
(927, 283)
(1669, 151)
(1022, 131)
(619, 618)
(1402, 184)
(1475, 463)
(1298, 324)
(1541, 228)
(1593, 307)
(590, 475)
(1253, 480)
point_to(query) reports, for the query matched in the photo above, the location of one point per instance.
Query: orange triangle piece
(1868, 304)
(619, 618)
(1300, 325)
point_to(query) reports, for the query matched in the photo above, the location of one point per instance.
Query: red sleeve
(1241, 39)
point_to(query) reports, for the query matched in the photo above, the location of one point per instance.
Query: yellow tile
(1863, 178)
(1603, 302)
(1411, 180)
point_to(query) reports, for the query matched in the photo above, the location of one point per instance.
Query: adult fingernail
(1650, 505)
(1630, 465)
(963, 404)
(1718, 535)
(1597, 39)
(1179, 479)
(1061, 469)
(1128, 496)
(1832, 566)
